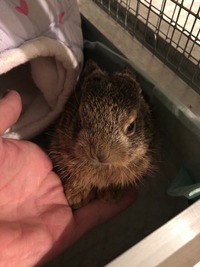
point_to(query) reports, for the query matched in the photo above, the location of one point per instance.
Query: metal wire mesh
(169, 28)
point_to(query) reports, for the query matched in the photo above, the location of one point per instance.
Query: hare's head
(115, 121)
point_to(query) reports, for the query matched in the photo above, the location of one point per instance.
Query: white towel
(41, 57)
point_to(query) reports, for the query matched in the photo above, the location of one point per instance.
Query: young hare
(102, 141)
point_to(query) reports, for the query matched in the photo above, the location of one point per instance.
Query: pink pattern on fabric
(23, 7)
(60, 18)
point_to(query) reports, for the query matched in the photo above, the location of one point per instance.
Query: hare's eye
(131, 128)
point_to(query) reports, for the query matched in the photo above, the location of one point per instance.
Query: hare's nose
(100, 156)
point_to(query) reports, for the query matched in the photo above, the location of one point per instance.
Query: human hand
(36, 222)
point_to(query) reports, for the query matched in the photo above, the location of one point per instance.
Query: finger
(98, 212)
(86, 218)
(10, 109)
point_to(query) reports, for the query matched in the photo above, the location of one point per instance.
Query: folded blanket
(40, 57)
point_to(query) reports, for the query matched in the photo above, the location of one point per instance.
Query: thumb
(10, 109)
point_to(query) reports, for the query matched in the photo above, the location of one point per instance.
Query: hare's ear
(90, 67)
(130, 73)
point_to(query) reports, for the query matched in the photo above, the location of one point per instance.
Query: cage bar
(168, 28)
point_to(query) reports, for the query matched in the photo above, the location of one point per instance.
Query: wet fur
(89, 148)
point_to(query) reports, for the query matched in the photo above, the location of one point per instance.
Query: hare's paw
(110, 194)
(79, 199)
(76, 202)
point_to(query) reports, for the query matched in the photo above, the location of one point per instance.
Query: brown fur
(90, 148)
